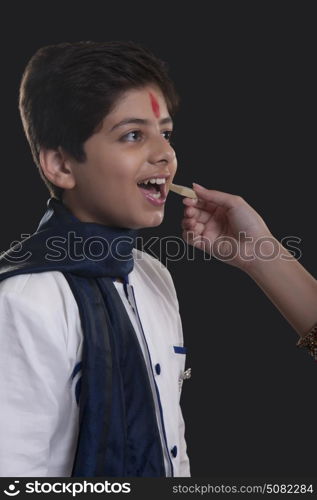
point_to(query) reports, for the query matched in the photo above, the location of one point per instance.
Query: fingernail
(197, 185)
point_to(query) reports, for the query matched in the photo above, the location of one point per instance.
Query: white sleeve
(34, 374)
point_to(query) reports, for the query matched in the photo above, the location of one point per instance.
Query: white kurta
(41, 342)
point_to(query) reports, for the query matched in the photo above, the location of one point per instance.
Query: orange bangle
(310, 341)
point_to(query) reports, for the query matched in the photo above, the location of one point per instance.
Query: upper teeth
(161, 180)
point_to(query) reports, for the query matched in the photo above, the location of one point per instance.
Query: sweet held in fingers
(183, 191)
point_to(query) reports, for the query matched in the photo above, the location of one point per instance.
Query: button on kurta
(158, 368)
(174, 451)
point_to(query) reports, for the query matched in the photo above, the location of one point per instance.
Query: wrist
(267, 256)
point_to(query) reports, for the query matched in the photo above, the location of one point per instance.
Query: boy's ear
(57, 168)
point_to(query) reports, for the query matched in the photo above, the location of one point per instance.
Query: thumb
(225, 200)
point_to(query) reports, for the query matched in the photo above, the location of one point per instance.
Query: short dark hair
(67, 90)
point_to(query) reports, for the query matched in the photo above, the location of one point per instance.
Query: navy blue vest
(118, 432)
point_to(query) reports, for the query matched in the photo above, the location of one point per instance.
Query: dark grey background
(244, 71)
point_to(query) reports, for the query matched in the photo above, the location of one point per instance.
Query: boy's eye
(135, 134)
(169, 134)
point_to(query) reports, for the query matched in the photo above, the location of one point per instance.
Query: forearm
(291, 288)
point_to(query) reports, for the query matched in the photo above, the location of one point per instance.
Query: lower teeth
(155, 195)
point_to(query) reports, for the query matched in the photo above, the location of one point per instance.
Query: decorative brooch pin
(185, 375)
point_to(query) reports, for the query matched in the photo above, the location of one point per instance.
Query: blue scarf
(118, 433)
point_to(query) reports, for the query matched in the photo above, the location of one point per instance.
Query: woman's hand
(231, 230)
(224, 225)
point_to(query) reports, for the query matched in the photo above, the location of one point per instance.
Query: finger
(225, 200)
(190, 238)
(198, 228)
(193, 227)
(205, 205)
(205, 215)
(193, 212)
(190, 201)
(188, 224)
(196, 241)
(200, 215)
(190, 212)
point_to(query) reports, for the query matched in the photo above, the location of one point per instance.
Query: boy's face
(112, 186)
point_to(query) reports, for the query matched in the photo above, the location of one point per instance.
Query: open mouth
(155, 187)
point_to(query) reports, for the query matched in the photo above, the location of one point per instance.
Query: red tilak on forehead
(155, 105)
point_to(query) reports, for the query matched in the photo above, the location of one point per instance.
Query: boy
(92, 357)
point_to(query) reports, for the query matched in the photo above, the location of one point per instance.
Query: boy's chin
(153, 222)
(147, 226)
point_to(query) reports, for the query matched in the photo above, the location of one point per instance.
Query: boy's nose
(161, 150)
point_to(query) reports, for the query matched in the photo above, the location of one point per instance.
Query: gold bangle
(310, 341)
